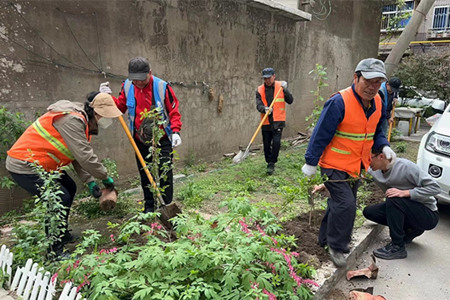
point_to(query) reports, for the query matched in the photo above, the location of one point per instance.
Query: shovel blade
(167, 212)
(237, 158)
(240, 156)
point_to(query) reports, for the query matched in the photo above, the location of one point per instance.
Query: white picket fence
(30, 283)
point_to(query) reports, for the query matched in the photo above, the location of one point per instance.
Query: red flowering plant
(234, 255)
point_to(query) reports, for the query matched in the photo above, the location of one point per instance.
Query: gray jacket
(73, 131)
(406, 175)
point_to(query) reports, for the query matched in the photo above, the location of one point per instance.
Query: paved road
(423, 275)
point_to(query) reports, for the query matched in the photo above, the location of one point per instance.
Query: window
(396, 17)
(441, 18)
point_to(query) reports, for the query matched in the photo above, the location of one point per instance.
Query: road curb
(328, 275)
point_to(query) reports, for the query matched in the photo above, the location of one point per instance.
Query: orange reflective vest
(352, 143)
(42, 143)
(279, 107)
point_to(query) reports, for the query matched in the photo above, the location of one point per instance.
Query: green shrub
(400, 147)
(235, 255)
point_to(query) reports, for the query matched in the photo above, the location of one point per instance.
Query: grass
(205, 190)
(208, 184)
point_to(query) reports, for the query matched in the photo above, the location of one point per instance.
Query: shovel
(390, 125)
(243, 154)
(167, 211)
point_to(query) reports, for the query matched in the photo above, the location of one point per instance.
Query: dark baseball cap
(395, 84)
(138, 68)
(268, 72)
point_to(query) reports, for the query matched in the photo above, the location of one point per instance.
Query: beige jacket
(73, 131)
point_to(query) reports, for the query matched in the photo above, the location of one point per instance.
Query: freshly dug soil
(307, 233)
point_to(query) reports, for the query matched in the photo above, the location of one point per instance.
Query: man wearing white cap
(348, 128)
(60, 137)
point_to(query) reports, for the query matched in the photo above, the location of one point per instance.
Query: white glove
(390, 155)
(309, 170)
(104, 88)
(268, 109)
(284, 84)
(176, 140)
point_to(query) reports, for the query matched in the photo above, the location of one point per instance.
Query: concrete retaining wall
(53, 50)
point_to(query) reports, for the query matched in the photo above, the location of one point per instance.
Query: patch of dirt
(336, 294)
(306, 227)
(306, 235)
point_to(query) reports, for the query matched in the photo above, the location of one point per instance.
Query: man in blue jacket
(348, 128)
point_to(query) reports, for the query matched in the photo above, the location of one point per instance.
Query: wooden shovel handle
(391, 124)
(141, 159)
(264, 118)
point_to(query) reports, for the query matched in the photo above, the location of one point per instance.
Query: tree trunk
(407, 36)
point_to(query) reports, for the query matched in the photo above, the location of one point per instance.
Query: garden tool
(390, 125)
(167, 211)
(243, 154)
(108, 199)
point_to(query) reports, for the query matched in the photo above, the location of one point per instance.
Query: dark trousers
(337, 223)
(401, 215)
(31, 183)
(272, 144)
(165, 183)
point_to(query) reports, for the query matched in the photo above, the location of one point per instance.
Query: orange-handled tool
(242, 155)
(391, 124)
(141, 159)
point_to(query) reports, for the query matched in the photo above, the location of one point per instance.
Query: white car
(434, 154)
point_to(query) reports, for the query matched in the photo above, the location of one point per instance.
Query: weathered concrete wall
(53, 50)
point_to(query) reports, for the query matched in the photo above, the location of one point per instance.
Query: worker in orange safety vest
(60, 137)
(272, 127)
(341, 143)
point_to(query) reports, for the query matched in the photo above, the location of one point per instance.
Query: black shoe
(270, 168)
(57, 253)
(412, 233)
(69, 238)
(391, 251)
(385, 249)
(346, 250)
(149, 210)
(337, 257)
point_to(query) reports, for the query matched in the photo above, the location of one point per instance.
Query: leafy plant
(6, 182)
(400, 147)
(111, 167)
(192, 195)
(33, 238)
(284, 145)
(156, 167)
(427, 71)
(90, 208)
(235, 255)
(12, 125)
(319, 75)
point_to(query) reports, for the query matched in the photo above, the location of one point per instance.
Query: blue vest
(383, 89)
(158, 92)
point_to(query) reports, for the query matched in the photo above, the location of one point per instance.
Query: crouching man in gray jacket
(410, 207)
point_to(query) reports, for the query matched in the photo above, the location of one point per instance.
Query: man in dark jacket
(389, 94)
(273, 126)
(348, 128)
